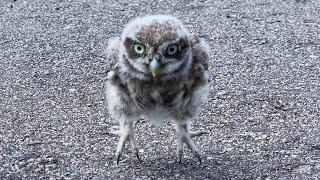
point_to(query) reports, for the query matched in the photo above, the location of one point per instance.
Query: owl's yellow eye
(172, 49)
(139, 49)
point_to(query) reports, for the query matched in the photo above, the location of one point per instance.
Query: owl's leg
(184, 136)
(126, 134)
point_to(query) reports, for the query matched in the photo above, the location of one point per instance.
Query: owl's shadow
(167, 168)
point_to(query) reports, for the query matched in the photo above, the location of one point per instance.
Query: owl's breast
(166, 101)
(152, 98)
(160, 110)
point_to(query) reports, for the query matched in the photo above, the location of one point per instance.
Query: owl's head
(155, 46)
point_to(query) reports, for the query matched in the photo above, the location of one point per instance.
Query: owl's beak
(154, 67)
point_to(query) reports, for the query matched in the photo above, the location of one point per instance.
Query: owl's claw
(126, 134)
(180, 153)
(137, 155)
(184, 137)
(197, 155)
(118, 158)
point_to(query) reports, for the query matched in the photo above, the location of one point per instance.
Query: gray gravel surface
(262, 115)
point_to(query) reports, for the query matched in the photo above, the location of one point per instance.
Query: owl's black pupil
(171, 49)
(139, 48)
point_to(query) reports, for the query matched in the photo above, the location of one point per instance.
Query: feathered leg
(184, 136)
(126, 134)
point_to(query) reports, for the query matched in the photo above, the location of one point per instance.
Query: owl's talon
(180, 153)
(138, 157)
(185, 137)
(197, 155)
(118, 158)
(126, 135)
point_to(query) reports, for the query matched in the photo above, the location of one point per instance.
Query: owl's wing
(113, 52)
(200, 51)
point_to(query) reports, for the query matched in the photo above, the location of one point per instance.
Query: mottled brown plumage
(160, 71)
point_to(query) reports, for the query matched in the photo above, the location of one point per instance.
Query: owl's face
(156, 46)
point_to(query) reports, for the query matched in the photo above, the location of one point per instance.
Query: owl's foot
(184, 136)
(126, 134)
(191, 146)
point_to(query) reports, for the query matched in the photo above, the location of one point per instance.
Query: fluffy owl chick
(159, 71)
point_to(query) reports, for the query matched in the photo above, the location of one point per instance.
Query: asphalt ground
(262, 115)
